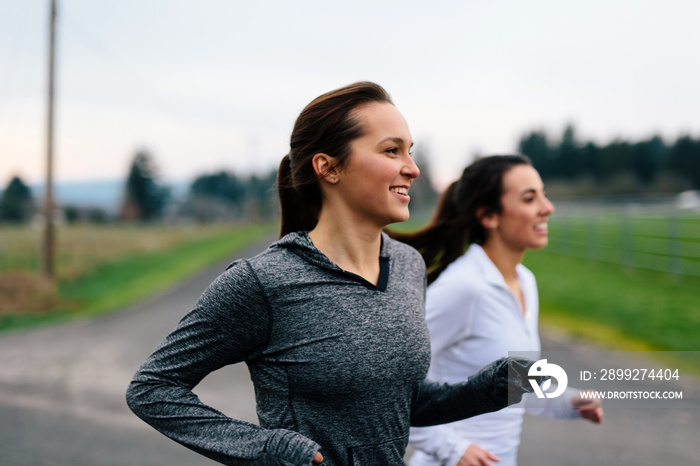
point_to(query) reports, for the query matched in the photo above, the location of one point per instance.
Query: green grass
(635, 305)
(617, 307)
(137, 275)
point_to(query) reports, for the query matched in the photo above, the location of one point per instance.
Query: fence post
(626, 239)
(593, 235)
(674, 250)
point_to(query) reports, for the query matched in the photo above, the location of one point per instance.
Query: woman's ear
(324, 167)
(488, 221)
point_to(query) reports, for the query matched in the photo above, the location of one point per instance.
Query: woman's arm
(443, 442)
(570, 405)
(494, 387)
(228, 325)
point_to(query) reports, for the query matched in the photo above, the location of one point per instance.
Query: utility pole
(49, 237)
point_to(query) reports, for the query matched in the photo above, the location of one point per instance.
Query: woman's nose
(410, 168)
(548, 207)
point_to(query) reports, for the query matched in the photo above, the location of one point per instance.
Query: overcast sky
(217, 84)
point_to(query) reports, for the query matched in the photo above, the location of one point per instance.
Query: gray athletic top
(338, 364)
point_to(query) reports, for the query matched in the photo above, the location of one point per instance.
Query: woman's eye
(392, 150)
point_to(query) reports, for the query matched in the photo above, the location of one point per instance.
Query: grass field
(106, 267)
(623, 308)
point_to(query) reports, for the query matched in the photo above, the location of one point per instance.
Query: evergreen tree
(16, 202)
(646, 159)
(592, 156)
(616, 158)
(569, 160)
(684, 159)
(536, 147)
(223, 185)
(145, 198)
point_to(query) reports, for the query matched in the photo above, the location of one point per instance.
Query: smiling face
(522, 222)
(373, 185)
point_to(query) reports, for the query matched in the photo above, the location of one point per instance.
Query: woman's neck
(506, 261)
(352, 246)
(504, 258)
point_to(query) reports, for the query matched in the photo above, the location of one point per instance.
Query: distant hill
(104, 194)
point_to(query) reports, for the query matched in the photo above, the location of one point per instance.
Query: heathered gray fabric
(338, 365)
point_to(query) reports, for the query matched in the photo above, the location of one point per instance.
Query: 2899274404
(630, 374)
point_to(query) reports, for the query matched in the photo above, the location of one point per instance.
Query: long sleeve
(229, 324)
(552, 408)
(444, 442)
(496, 386)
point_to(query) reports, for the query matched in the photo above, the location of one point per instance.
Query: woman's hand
(318, 459)
(588, 408)
(477, 456)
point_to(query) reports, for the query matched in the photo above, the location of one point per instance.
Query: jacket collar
(490, 272)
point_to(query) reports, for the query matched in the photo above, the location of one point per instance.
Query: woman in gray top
(329, 319)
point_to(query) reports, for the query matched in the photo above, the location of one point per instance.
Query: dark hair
(455, 223)
(327, 125)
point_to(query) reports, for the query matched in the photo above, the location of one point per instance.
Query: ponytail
(457, 220)
(297, 213)
(443, 239)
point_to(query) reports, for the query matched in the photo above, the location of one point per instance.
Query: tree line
(647, 165)
(218, 196)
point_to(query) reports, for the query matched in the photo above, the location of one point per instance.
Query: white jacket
(474, 318)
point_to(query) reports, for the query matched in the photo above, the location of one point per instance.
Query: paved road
(62, 400)
(628, 436)
(62, 388)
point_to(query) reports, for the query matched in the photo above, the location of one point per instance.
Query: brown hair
(327, 125)
(455, 223)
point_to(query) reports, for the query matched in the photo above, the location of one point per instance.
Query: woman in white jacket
(483, 303)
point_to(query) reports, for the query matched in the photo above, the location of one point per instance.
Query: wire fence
(657, 235)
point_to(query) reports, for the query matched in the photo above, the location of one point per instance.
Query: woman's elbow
(136, 397)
